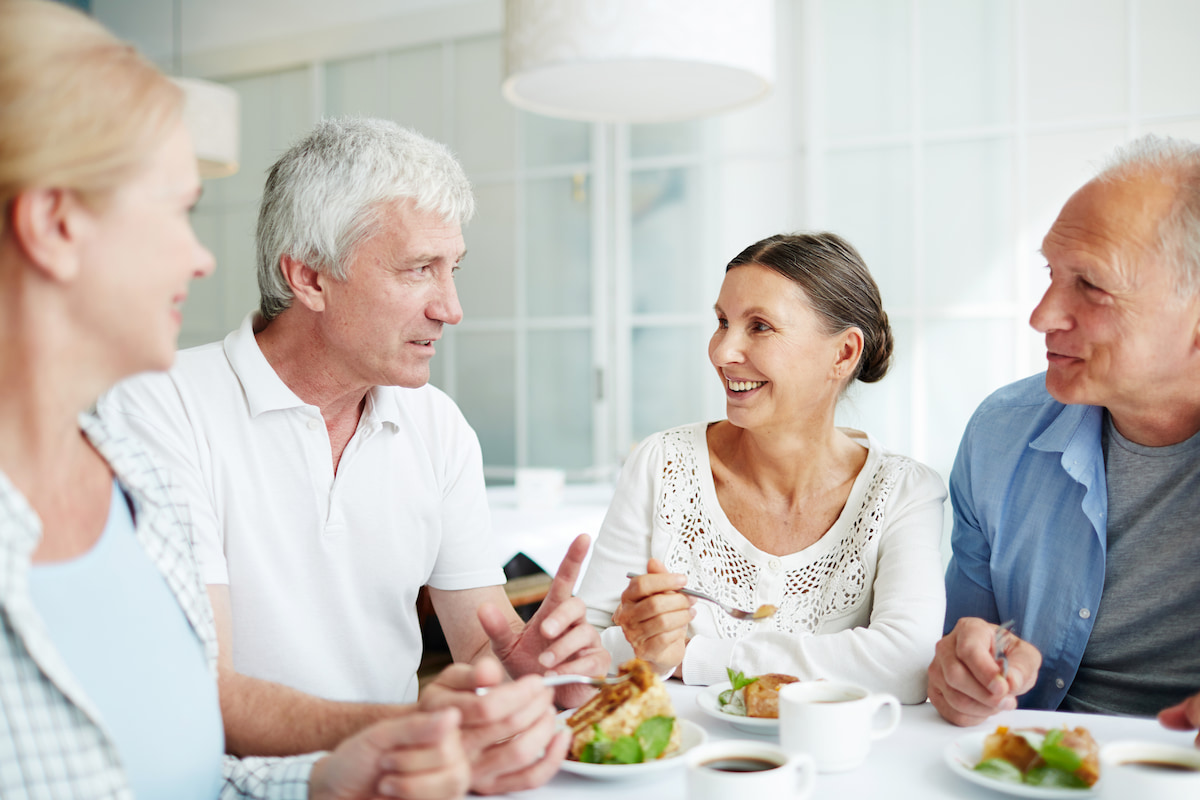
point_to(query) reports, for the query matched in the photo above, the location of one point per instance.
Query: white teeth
(744, 386)
(426, 341)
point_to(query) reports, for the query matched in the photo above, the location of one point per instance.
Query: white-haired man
(327, 481)
(1076, 492)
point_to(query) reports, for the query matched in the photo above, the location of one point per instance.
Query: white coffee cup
(832, 721)
(733, 767)
(1149, 770)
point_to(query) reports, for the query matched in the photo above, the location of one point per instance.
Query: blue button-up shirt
(1030, 509)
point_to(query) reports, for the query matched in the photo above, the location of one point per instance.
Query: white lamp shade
(638, 60)
(210, 112)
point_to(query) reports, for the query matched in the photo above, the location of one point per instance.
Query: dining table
(910, 764)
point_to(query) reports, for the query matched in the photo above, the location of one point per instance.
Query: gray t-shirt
(1144, 651)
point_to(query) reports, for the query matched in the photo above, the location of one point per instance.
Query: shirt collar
(1072, 422)
(264, 389)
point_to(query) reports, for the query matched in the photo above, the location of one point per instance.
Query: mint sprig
(646, 744)
(736, 681)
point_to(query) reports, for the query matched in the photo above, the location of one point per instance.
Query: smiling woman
(775, 505)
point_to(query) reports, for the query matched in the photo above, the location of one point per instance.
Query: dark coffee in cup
(740, 764)
(1163, 766)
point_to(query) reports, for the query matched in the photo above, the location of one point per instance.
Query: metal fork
(998, 651)
(762, 612)
(564, 680)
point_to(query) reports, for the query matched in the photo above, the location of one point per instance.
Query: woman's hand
(654, 616)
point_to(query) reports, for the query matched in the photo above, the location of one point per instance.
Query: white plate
(690, 735)
(707, 700)
(964, 753)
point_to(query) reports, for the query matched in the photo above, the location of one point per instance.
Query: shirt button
(1059, 682)
(1084, 613)
(773, 563)
(314, 424)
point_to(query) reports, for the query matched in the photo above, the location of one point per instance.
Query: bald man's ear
(306, 283)
(50, 227)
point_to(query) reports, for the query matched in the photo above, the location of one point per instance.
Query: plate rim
(958, 752)
(706, 701)
(620, 771)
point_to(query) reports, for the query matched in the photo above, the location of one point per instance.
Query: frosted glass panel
(667, 246)
(754, 200)
(966, 361)
(667, 139)
(965, 68)
(486, 283)
(203, 311)
(870, 203)
(276, 110)
(485, 368)
(555, 141)
(1170, 59)
(558, 244)
(484, 131)
(967, 223)
(237, 263)
(560, 399)
(1077, 59)
(352, 87)
(866, 44)
(671, 377)
(884, 408)
(416, 93)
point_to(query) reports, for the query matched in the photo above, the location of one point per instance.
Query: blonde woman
(775, 505)
(107, 654)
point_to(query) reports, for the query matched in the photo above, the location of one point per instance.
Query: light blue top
(117, 625)
(1030, 508)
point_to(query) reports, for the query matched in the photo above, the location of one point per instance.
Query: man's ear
(306, 283)
(48, 226)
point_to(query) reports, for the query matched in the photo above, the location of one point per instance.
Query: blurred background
(939, 136)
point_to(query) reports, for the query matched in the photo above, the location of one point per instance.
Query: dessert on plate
(626, 722)
(1059, 757)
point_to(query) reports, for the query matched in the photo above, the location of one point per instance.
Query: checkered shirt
(53, 743)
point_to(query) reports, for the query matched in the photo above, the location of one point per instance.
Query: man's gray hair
(327, 194)
(1176, 162)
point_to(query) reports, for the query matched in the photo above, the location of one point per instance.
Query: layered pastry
(762, 696)
(619, 708)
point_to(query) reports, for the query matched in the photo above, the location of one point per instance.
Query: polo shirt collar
(264, 389)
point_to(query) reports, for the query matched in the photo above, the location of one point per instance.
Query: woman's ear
(49, 227)
(849, 351)
(305, 282)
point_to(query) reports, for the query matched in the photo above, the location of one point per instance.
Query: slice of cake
(619, 708)
(762, 696)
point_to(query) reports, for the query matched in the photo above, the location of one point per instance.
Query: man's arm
(269, 719)
(558, 638)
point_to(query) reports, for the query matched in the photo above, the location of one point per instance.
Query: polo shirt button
(1084, 613)
(1059, 682)
(314, 424)
(773, 563)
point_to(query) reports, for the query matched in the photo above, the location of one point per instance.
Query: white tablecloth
(908, 765)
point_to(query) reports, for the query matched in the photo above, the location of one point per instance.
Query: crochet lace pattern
(830, 586)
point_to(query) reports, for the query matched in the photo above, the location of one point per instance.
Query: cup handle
(808, 769)
(893, 721)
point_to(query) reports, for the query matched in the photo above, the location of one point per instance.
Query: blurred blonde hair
(79, 109)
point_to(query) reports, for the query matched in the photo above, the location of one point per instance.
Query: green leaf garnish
(625, 750)
(654, 734)
(1051, 776)
(736, 681)
(1061, 757)
(646, 744)
(999, 769)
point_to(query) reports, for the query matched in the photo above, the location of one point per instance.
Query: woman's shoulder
(887, 465)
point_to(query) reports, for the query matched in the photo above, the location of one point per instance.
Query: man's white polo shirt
(323, 571)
